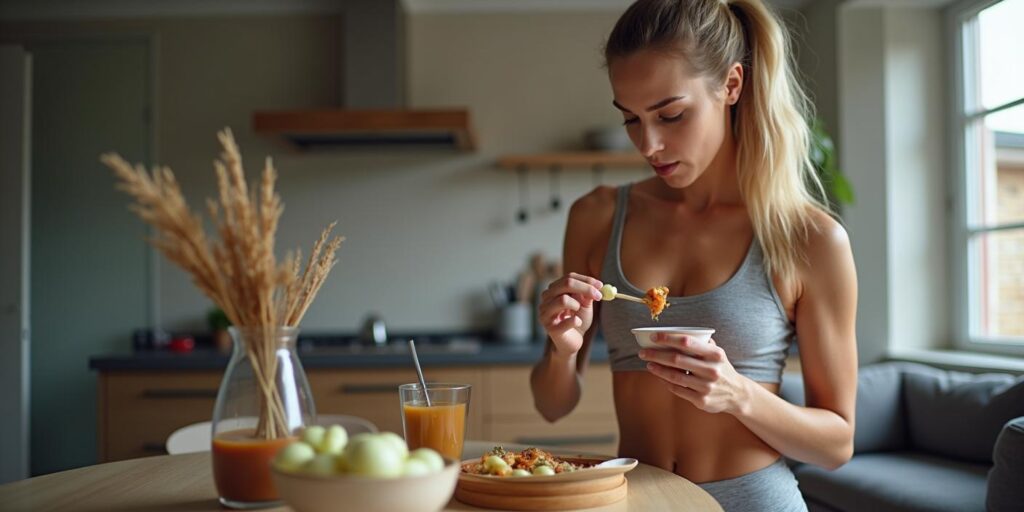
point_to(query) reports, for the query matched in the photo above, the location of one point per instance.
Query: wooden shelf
(573, 159)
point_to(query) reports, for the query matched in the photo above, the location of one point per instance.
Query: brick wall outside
(1007, 314)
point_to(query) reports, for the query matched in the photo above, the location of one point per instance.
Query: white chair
(196, 437)
(189, 439)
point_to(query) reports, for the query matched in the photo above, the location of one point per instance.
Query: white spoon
(621, 461)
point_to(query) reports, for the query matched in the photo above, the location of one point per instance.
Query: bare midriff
(664, 430)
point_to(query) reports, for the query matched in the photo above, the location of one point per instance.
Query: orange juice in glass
(440, 425)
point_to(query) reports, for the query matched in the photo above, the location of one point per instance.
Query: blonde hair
(770, 121)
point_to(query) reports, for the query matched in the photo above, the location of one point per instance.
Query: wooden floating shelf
(573, 159)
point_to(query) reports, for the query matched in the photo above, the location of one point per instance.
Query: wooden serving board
(514, 488)
(542, 496)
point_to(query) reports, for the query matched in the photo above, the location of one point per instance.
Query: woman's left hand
(698, 372)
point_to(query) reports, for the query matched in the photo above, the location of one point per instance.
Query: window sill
(960, 360)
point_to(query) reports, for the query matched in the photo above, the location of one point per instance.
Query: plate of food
(534, 465)
(534, 479)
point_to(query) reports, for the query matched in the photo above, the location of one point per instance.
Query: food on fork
(656, 299)
(531, 461)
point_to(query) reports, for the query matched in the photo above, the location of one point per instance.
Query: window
(988, 175)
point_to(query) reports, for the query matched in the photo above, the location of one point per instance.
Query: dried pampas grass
(238, 271)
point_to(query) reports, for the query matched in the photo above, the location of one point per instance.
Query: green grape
(520, 472)
(496, 466)
(294, 456)
(416, 467)
(543, 470)
(313, 435)
(397, 442)
(334, 440)
(374, 457)
(321, 465)
(608, 292)
(433, 460)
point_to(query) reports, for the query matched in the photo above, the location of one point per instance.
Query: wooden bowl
(586, 488)
(312, 493)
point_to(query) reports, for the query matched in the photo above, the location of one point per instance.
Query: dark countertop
(448, 352)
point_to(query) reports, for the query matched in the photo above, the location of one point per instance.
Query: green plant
(217, 319)
(823, 157)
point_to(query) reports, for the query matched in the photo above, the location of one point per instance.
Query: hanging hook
(554, 174)
(522, 216)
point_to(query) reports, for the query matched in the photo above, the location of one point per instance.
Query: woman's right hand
(567, 310)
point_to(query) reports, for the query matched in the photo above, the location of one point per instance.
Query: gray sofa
(926, 440)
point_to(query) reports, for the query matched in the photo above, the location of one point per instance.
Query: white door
(15, 103)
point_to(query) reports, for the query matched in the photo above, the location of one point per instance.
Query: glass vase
(263, 402)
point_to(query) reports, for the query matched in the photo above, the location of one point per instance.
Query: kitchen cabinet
(509, 414)
(373, 394)
(137, 410)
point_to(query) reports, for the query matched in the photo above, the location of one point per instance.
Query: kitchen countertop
(437, 351)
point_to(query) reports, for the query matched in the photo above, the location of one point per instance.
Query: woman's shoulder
(825, 234)
(594, 209)
(826, 250)
(600, 199)
(590, 221)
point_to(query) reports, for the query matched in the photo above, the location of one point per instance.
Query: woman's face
(676, 121)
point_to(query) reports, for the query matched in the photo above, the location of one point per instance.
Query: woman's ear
(734, 84)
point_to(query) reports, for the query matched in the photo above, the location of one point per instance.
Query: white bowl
(312, 493)
(643, 334)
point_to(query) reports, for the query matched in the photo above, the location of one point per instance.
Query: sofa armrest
(1005, 491)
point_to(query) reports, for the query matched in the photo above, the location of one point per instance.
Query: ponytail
(771, 127)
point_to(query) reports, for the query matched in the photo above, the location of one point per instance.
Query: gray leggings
(770, 489)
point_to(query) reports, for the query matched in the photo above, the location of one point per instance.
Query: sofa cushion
(1006, 480)
(959, 414)
(879, 417)
(880, 423)
(898, 482)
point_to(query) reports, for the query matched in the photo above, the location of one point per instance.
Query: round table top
(185, 482)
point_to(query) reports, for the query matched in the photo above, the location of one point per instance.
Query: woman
(707, 95)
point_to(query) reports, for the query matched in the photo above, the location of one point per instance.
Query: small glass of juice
(440, 425)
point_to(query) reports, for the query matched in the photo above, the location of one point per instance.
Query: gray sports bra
(746, 313)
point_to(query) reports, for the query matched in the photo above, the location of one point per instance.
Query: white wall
(891, 105)
(916, 170)
(426, 231)
(863, 158)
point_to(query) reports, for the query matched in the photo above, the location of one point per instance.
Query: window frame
(963, 270)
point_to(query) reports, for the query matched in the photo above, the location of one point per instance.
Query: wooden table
(185, 482)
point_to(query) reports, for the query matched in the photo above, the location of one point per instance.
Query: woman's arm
(556, 380)
(822, 432)
(569, 311)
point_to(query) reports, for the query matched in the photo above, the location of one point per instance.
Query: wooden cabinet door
(138, 410)
(373, 394)
(510, 416)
